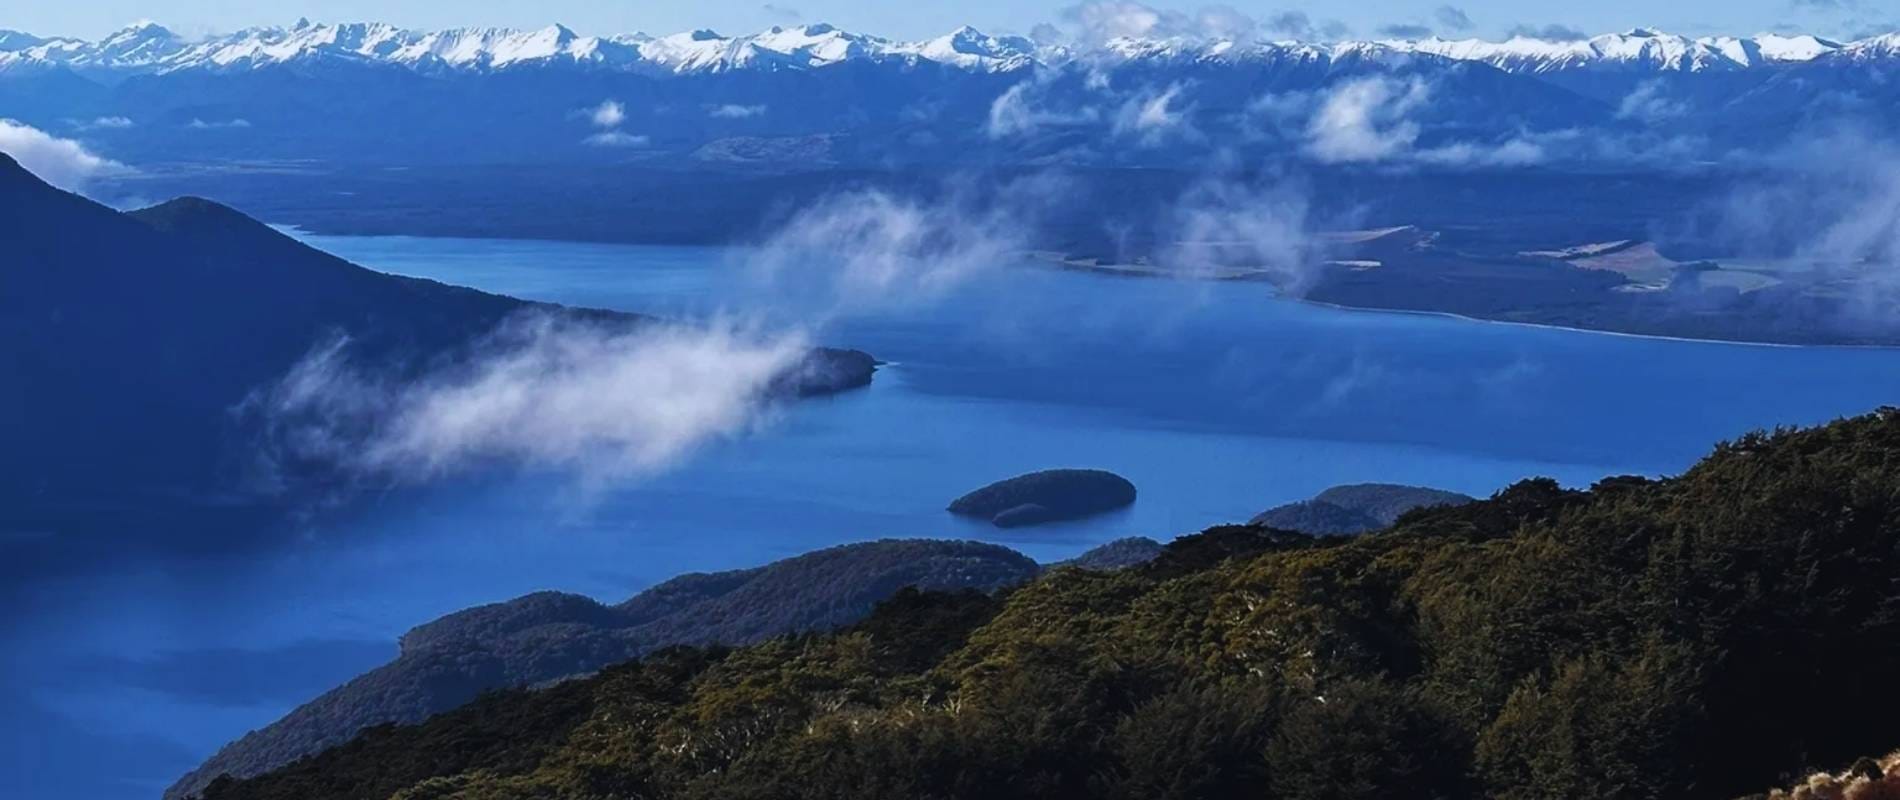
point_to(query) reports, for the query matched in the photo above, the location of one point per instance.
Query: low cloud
(1219, 225)
(1366, 119)
(105, 123)
(782, 13)
(1152, 117)
(616, 139)
(1405, 31)
(1372, 121)
(64, 163)
(871, 250)
(733, 111)
(608, 117)
(611, 401)
(609, 114)
(1298, 25)
(1026, 107)
(1552, 32)
(1650, 102)
(1833, 218)
(602, 400)
(1094, 23)
(1453, 18)
(1522, 151)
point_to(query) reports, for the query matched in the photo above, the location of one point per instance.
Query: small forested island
(1053, 495)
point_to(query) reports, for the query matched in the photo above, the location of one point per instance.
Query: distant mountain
(550, 636)
(148, 48)
(151, 48)
(1119, 554)
(127, 339)
(11, 41)
(815, 96)
(1355, 508)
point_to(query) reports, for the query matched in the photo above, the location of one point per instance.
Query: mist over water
(1217, 400)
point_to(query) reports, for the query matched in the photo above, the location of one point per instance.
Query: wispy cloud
(870, 250)
(64, 163)
(610, 401)
(1832, 218)
(1550, 32)
(1299, 25)
(1650, 102)
(1405, 30)
(1093, 23)
(603, 400)
(104, 123)
(1025, 108)
(735, 111)
(1453, 18)
(607, 118)
(1220, 224)
(609, 114)
(1366, 119)
(218, 124)
(1372, 120)
(616, 139)
(1152, 117)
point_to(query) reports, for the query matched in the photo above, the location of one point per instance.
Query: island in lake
(1054, 495)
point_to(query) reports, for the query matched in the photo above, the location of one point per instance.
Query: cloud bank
(603, 400)
(64, 163)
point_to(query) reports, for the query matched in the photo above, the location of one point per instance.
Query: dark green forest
(1713, 635)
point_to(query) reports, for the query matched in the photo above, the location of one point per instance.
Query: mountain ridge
(1702, 635)
(152, 48)
(546, 637)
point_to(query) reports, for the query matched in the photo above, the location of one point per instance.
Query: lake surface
(1216, 399)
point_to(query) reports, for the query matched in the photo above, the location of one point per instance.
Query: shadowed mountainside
(1701, 636)
(188, 307)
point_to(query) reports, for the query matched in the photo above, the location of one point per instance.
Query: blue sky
(919, 18)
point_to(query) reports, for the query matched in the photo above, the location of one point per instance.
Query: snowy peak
(1637, 49)
(12, 41)
(970, 48)
(1882, 48)
(148, 47)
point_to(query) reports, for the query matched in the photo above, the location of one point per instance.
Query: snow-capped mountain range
(151, 48)
(815, 95)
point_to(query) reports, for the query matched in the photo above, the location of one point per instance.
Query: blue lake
(1217, 399)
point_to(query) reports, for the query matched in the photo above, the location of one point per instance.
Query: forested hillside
(1708, 635)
